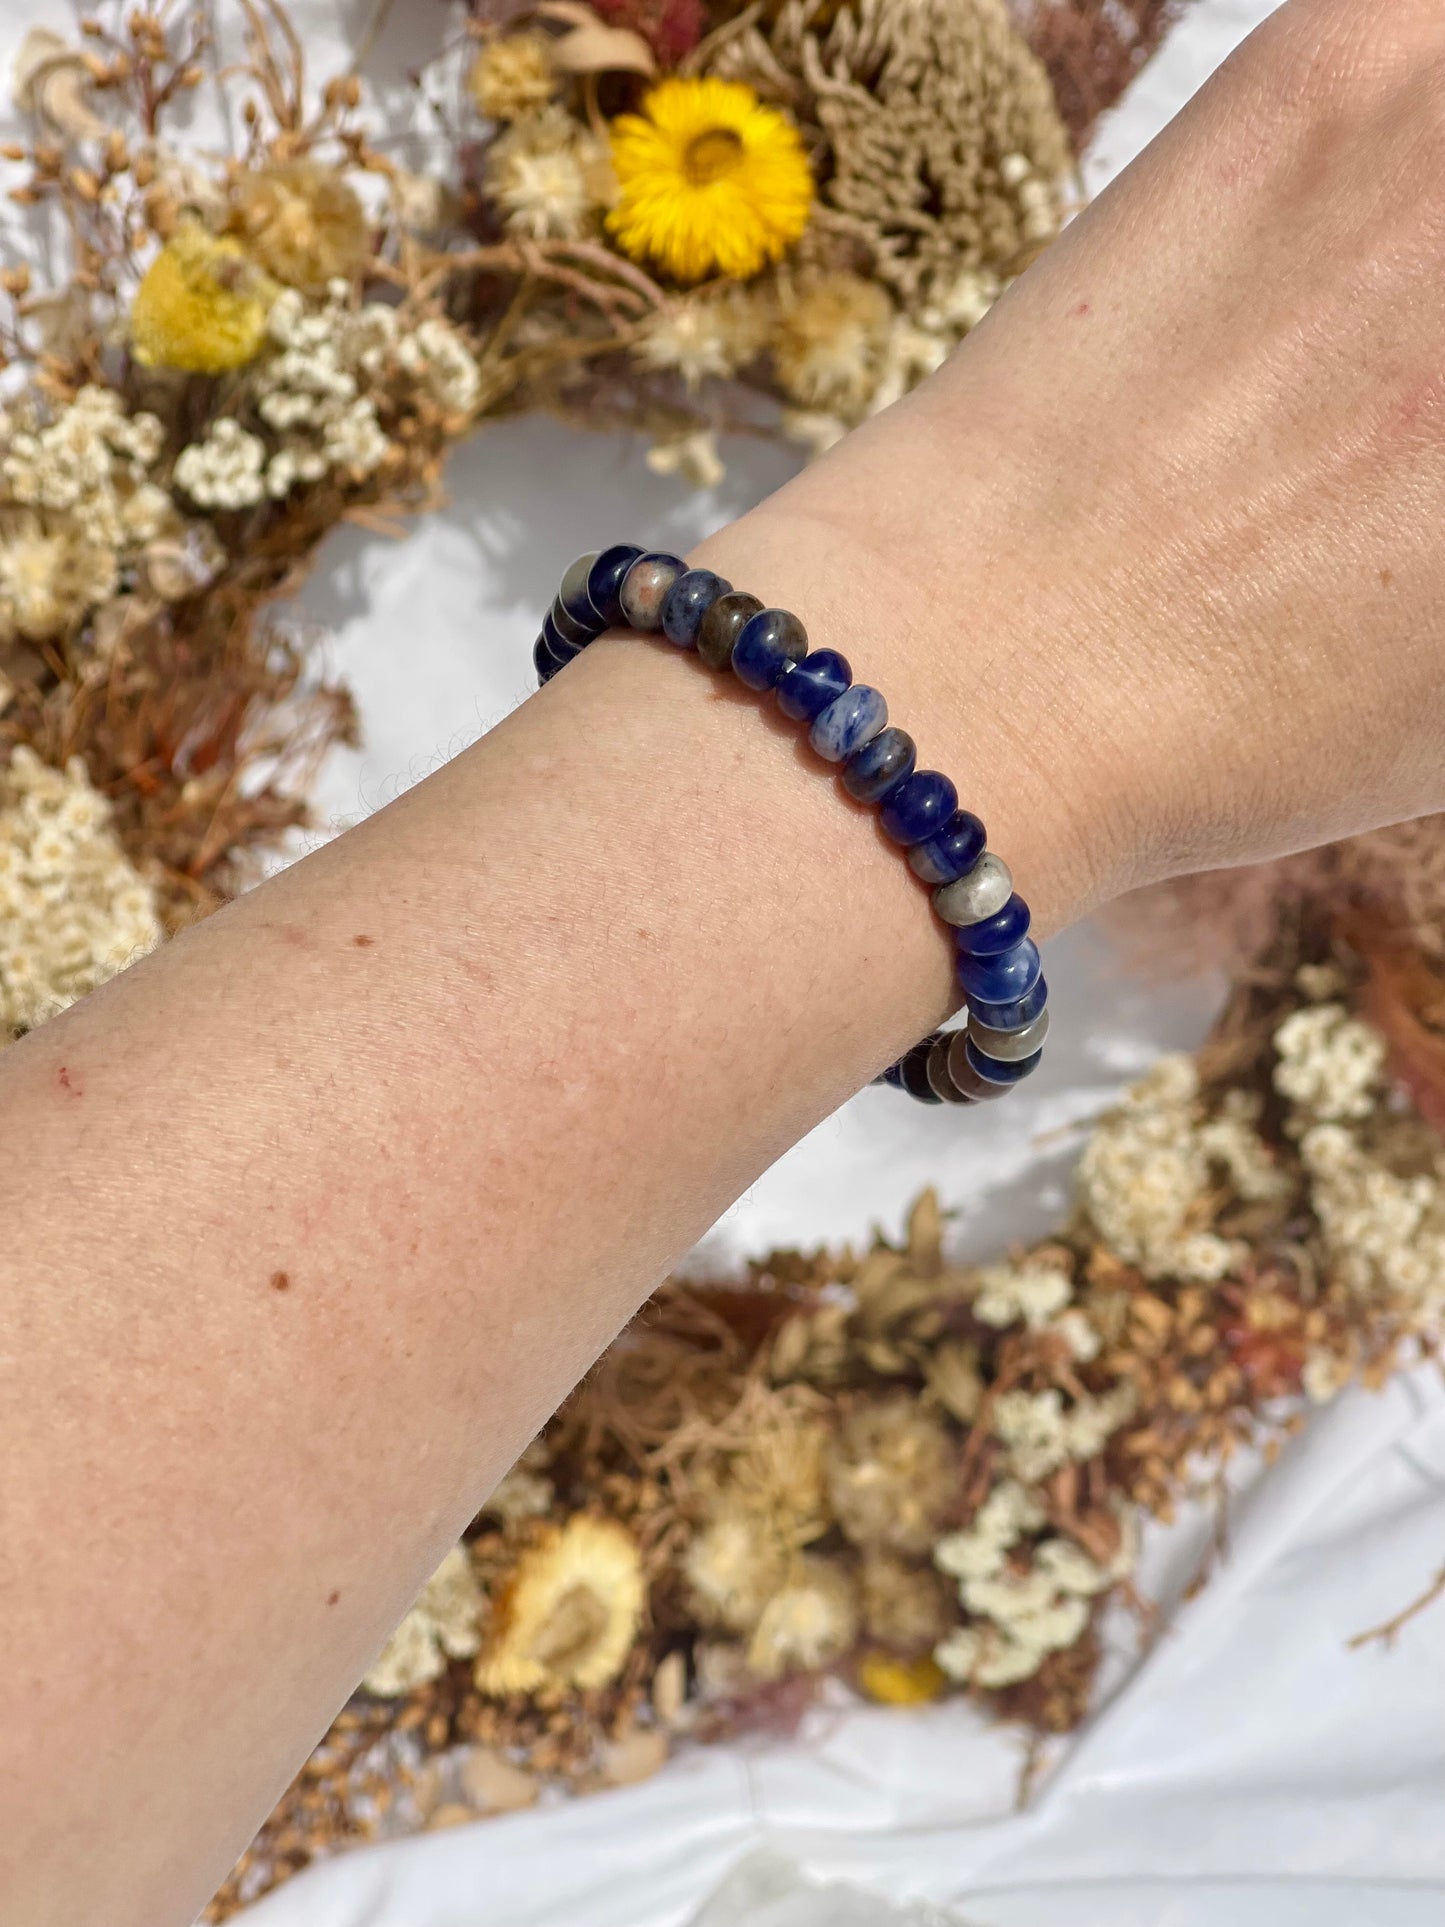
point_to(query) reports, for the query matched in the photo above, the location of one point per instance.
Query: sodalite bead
(979, 895)
(952, 852)
(996, 933)
(542, 661)
(722, 625)
(962, 1075)
(998, 1072)
(849, 721)
(687, 602)
(919, 807)
(872, 771)
(1001, 979)
(810, 685)
(579, 634)
(1010, 1045)
(556, 658)
(561, 648)
(604, 582)
(768, 645)
(645, 585)
(940, 1077)
(1011, 1014)
(913, 1073)
(573, 593)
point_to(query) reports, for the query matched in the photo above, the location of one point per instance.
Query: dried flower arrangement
(919, 1478)
(683, 216)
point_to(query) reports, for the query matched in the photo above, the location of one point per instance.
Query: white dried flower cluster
(1146, 1174)
(445, 1623)
(1330, 1064)
(1026, 1294)
(1021, 1612)
(522, 1494)
(549, 178)
(694, 457)
(73, 910)
(79, 503)
(1039, 1432)
(317, 393)
(1384, 1233)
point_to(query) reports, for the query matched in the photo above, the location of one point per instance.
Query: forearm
(316, 1216)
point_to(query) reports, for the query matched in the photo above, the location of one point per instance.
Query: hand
(1161, 548)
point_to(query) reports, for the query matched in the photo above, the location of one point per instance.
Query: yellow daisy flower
(710, 180)
(201, 305)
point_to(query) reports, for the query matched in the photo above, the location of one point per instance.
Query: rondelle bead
(579, 634)
(913, 1073)
(557, 658)
(996, 933)
(1010, 1045)
(998, 1071)
(1011, 1014)
(645, 585)
(918, 807)
(940, 1078)
(872, 771)
(810, 685)
(849, 721)
(982, 893)
(997, 980)
(723, 623)
(687, 602)
(561, 648)
(767, 647)
(964, 1078)
(542, 660)
(573, 593)
(951, 852)
(604, 580)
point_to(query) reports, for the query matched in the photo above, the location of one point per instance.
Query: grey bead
(939, 1077)
(574, 584)
(982, 893)
(965, 1078)
(1009, 1046)
(579, 634)
(645, 585)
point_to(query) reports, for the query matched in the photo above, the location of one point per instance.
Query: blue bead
(849, 721)
(952, 852)
(687, 602)
(913, 1073)
(604, 583)
(573, 594)
(542, 661)
(769, 644)
(1013, 1014)
(872, 772)
(1002, 979)
(996, 1070)
(645, 586)
(996, 933)
(919, 807)
(810, 685)
(556, 658)
(563, 650)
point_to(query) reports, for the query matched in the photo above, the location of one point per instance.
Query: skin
(312, 1219)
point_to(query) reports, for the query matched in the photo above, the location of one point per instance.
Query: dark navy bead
(563, 650)
(556, 658)
(1013, 1013)
(579, 634)
(996, 933)
(573, 594)
(996, 1070)
(919, 807)
(951, 852)
(810, 685)
(769, 644)
(1001, 979)
(871, 772)
(542, 661)
(893, 1076)
(687, 602)
(849, 721)
(913, 1073)
(604, 583)
(644, 589)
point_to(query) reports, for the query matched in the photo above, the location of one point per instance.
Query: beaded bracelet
(998, 966)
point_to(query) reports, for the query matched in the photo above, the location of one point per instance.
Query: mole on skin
(363, 943)
(280, 1281)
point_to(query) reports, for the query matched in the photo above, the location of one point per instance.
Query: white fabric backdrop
(1252, 1771)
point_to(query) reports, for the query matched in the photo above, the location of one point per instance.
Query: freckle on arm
(280, 1281)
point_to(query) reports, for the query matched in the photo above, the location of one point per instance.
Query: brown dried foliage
(1092, 49)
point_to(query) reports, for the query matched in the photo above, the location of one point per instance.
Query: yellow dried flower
(809, 1624)
(735, 1565)
(568, 1613)
(710, 180)
(201, 305)
(830, 341)
(513, 76)
(901, 1682)
(302, 223)
(891, 1475)
(441, 1625)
